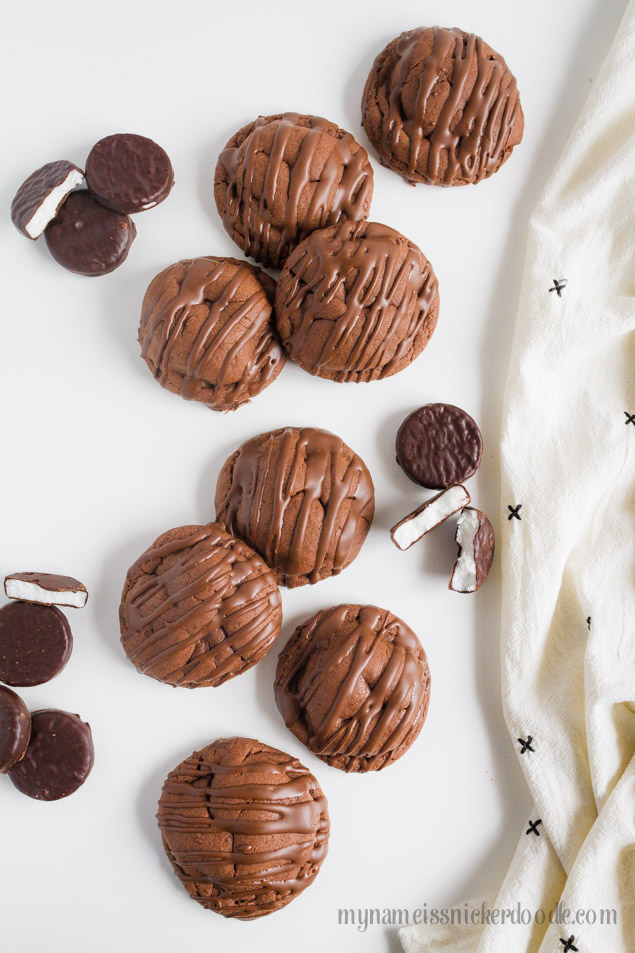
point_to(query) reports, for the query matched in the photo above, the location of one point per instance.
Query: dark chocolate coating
(198, 608)
(356, 302)
(302, 498)
(439, 446)
(441, 106)
(245, 827)
(36, 189)
(353, 684)
(129, 173)
(59, 757)
(281, 177)
(87, 238)
(483, 548)
(207, 331)
(15, 728)
(35, 643)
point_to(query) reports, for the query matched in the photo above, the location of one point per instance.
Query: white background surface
(98, 460)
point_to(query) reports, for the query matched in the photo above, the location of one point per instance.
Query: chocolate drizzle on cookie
(301, 498)
(353, 684)
(245, 827)
(356, 302)
(440, 106)
(283, 176)
(206, 331)
(198, 607)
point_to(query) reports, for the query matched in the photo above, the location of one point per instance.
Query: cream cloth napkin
(568, 618)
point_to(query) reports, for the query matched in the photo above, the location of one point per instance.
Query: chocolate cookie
(15, 729)
(283, 176)
(198, 607)
(46, 588)
(40, 197)
(475, 539)
(129, 173)
(441, 106)
(35, 643)
(353, 684)
(245, 827)
(439, 446)
(59, 758)
(207, 331)
(88, 238)
(356, 302)
(301, 498)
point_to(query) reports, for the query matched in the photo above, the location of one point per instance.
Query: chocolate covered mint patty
(353, 684)
(88, 238)
(356, 302)
(280, 177)
(129, 173)
(245, 827)
(198, 607)
(302, 498)
(442, 107)
(59, 757)
(15, 728)
(40, 197)
(475, 539)
(207, 331)
(35, 643)
(439, 445)
(49, 589)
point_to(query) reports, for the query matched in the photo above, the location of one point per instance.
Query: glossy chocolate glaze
(353, 684)
(441, 106)
(356, 302)
(245, 827)
(233, 354)
(273, 190)
(301, 498)
(198, 608)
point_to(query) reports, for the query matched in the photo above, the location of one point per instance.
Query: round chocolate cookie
(356, 302)
(59, 758)
(15, 728)
(129, 173)
(245, 826)
(441, 106)
(353, 684)
(87, 238)
(301, 498)
(35, 643)
(207, 331)
(280, 177)
(198, 607)
(439, 446)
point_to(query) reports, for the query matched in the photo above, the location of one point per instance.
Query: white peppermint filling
(464, 572)
(47, 211)
(431, 514)
(31, 592)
